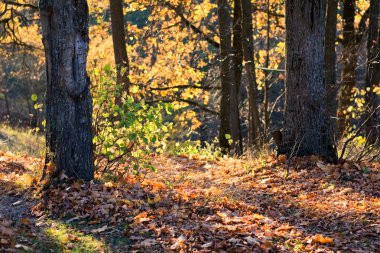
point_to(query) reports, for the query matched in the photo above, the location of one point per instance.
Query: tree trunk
(119, 46)
(373, 75)
(248, 49)
(330, 57)
(226, 71)
(267, 78)
(7, 107)
(306, 130)
(350, 58)
(238, 67)
(68, 99)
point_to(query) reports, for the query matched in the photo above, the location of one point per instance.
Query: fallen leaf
(148, 243)
(234, 240)
(17, 203)
(4, 241)
(325, 168)
(207, 245)
(25, 221)
(179, 242)
(251, 241)
(24, 247)
(322, 239)
(99, 230)
(281, 158)
(6, 231)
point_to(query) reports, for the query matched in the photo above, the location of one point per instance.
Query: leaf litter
(227, 205)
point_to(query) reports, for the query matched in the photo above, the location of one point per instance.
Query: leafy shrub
(206, 150)
(126, 134)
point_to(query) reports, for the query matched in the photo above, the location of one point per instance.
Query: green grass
(68, 239)
(21, 141)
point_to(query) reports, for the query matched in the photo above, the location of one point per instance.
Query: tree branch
(193, 103)
(197, 30)
(185, 87)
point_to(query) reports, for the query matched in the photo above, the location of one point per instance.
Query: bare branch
(193, 103)
(197, 30)
(185, 87)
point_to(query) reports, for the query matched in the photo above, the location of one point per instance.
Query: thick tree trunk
(238, 67)
(373, 75)
(68, 99)
(307, 130)
(119, 46)
(330, 57)
(226, 71)
(350, 58)
(248, 49)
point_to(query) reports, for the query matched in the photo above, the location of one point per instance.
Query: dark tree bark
(7, 107)
(350, 58)
(267, 78)
(373, 75)
(307, 130)
(238, 67)
(248, 49)
(226, 71)
(330, 57)
(119, 46)
(68, 99)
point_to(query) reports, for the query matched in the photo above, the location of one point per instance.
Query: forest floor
(195, 205)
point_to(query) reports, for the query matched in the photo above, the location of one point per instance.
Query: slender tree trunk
(330, 57)
(7, 73)
(267, 77)
(248, 50)
(226, 71)
(238, 67)
(373, 75)
(7, 107)
(68, 99)
(350, 58)
(306, 130)
(119, 46)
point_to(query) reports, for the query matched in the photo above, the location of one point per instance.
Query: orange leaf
(322, 239)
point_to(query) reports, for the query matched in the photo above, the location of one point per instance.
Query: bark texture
(330, 57)
(68, 99)
(119, 46)
(226, 71)
(373, 75)
(306, 130)
(248, 51)
(350, 58)
(267, 77)
(238, 67)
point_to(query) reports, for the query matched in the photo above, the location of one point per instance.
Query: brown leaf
(6, 231)
(99, 230)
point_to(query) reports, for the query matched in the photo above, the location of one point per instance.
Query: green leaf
(107, 69)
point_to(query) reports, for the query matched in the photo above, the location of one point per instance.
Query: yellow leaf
(134, 89)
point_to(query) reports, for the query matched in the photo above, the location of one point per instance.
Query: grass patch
(67, 239)
(21, 141)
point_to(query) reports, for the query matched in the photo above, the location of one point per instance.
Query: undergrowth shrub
(125, 135)
(206, 150)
